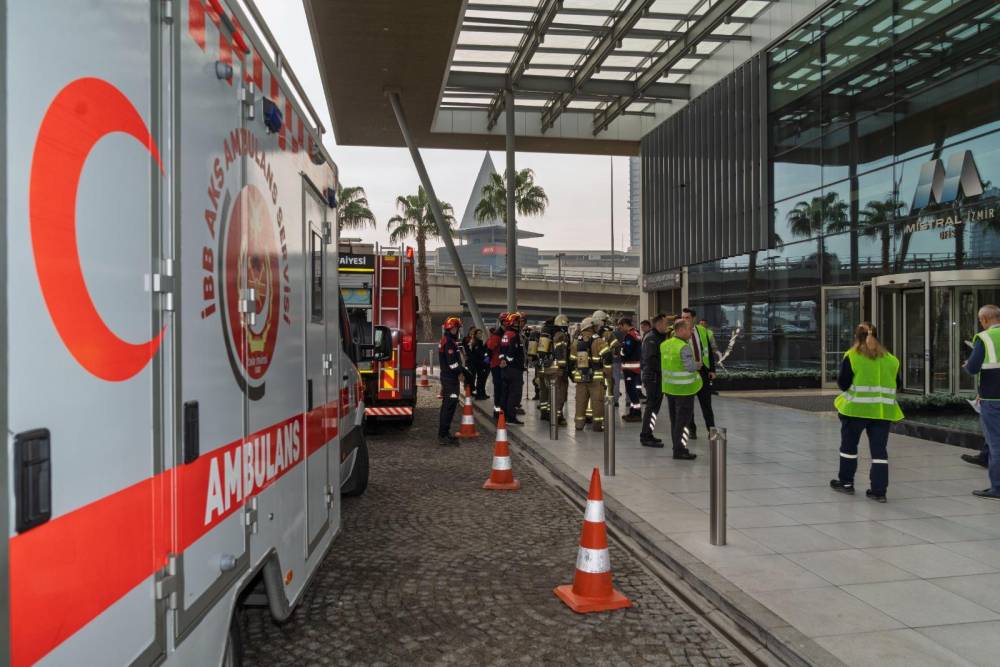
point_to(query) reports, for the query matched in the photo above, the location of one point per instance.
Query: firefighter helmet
(453, 322)
(600, 316)
(513, 319)
(561, 321)
(587, 323)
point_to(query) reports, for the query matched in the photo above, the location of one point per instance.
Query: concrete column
(508, 99)
(443, 230)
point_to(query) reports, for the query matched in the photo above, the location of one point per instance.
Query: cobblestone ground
(431, 569)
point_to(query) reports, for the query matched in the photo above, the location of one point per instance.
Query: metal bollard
(717, 450)
(430, 361)
(553, 405)
(609, 435)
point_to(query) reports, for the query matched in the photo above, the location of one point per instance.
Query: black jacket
(651, 356)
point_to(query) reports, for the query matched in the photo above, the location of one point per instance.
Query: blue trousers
(989, 414)
(851, 429)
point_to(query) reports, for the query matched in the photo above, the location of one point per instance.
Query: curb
(785, 642)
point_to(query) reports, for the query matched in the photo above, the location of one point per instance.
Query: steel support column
(508, 98)
(443, 230)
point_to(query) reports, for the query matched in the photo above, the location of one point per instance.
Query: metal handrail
(568, 275)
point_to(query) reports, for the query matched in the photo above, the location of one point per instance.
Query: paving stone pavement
(431, 569)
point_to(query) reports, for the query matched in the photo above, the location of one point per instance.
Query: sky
(578, 187)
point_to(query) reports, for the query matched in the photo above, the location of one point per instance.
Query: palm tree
(352, 208)
(874, 224)
(416, 220)
(529, 199)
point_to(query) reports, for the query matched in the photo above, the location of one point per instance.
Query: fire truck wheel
(233, 655)
(358, 481)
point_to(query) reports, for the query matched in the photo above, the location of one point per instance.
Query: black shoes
(632, 418)
(874, 496)
(692, 434)
(658, 444)
(975, 460)
(987, 493)
(562, 420)
(515, 421)
(841, 487)
(685, 456)
(448, 441)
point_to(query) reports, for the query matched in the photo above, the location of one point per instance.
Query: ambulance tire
(358, 481)
(233, 655)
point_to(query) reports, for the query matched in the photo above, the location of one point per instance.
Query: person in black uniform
(479, 363)
(651, 374)
(452, 368)
(512, 364)
(631, 355)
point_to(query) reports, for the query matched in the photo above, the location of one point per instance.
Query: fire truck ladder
(390, 313)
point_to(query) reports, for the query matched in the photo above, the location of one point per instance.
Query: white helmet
(600, 316)
(587, 323)
(561, 321)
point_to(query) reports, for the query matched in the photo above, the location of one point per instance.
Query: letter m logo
(940, 185)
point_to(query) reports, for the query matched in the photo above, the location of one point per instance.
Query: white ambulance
(180, 402)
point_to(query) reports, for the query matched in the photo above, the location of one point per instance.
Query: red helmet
(513, 319)
(452, 322)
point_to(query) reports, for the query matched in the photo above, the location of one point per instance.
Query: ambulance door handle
(32, 478)
(309, 395)
(192, 431)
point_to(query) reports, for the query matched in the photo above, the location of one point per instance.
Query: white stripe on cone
(467, 419)
(501, 435)
(593, 561)
(595, 511)
(501, 463)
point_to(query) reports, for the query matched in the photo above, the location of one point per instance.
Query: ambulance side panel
(4, 355)
(82, 222)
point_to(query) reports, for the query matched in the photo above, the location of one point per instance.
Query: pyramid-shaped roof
(469, 222)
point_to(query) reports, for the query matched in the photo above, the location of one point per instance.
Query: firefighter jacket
(512, 350)
(544, 350)
(631, 352)
(531, 341)
(650, 357)
(591, 357)
(449, 357)
(493, 348)
(560, 352)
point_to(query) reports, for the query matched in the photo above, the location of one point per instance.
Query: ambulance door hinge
(168, 583)
(330, 496)
(168, 11)
(327, 363)
(250, 512)
(327, 232)
(247, 96)
(163, 283)
(248, 305)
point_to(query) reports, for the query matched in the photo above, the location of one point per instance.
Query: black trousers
(681, 415)
(851, 429)
(497, 388)
(482, 373)
(632, 391)
(449, 401)
(513, 385)
(654, 398)
(705, 401)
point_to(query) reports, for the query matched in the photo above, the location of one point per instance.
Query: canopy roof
(585, 74)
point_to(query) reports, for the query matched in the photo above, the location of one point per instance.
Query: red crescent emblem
(83, 113)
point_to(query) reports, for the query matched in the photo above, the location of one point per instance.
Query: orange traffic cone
(591, 589)
(501, 476)
(468, 429)
(424, 379)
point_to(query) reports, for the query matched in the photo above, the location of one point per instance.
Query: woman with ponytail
(869, 375)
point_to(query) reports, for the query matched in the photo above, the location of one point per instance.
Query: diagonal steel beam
(604, 48)
(543, 18)
(705, 23)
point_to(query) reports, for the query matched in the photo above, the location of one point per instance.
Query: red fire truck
(378, 285)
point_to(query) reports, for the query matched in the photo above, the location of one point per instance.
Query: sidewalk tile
(977, 642)
(894, 648)
(791, 539)
(770, 572)
(864, 534)
(849, 566)
(983, 589)
(824, 611)
(929, 560)
(920, 603)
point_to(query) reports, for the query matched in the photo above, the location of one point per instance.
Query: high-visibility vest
(991, 342)
(677, 380)
(872, 395)
(704, 335)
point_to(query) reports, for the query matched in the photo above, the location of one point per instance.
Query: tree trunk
(425, 289)
(886, 239)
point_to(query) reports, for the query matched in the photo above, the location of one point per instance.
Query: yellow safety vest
(677, 380)
(872, 395)
(704, 335)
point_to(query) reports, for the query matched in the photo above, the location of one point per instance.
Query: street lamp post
(612, 218)
(559, 257)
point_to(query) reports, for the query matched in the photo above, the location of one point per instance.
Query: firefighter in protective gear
(543, 359)
(601, 321)
(631, 355)
(512, 364)
(493, 346)
(557, 371)
(532, 337)
(452, 368)
(591, 355)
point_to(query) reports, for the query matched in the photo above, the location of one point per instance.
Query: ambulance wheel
(358, 481)
(233, 654)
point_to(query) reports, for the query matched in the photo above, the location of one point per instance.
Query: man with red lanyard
(493, 345)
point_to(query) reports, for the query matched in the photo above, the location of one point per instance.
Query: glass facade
(884, 145)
